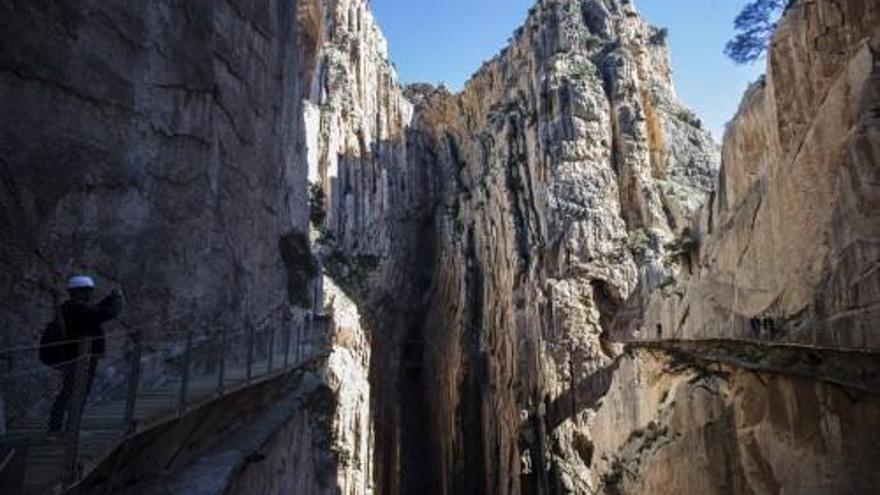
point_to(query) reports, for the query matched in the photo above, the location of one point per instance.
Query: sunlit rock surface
(790, 237)
(488, 235)
(482, 254)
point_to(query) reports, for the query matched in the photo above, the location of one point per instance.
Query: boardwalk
(46, 460)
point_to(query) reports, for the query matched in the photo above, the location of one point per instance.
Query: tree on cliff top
(754, 26)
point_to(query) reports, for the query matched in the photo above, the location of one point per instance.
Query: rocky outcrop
(512, 218)
(787, 249)
(373, 222)
(569, 164)
(485, 252)
(326, 447)
(784, 253)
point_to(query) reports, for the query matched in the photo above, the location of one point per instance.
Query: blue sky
(447, 40)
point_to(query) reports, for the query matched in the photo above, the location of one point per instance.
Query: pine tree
(755, 25)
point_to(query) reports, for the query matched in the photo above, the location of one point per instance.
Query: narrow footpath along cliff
(785, 252)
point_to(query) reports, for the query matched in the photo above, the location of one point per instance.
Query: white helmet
(81, 282)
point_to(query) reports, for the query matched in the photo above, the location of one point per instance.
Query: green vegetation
(688, 117)
(317, 205)
(755, 25)
(613, 478)
(683, 247)
(638, 243)
(659, 36)
(581, 69)
(592, 42)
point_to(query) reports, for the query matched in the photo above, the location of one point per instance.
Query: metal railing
(144, 378)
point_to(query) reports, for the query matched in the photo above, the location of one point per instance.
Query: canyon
(552, 281)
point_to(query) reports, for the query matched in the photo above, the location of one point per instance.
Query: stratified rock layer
(788, 248)
(483, 250)
(494, 236)
(489, 235)
(669, 424)
(786, 252)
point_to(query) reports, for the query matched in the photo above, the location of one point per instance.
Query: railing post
(221, 372)
(287, 340)
(301, 339)
(134, 376)
(184, 378)
(307, 332)
(270, 361)
(74, 421)
(250, 352)
(299, 331)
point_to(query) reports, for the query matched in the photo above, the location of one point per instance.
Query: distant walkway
(855, 371)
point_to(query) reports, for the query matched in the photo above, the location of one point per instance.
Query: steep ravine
(550, 282)
(487, 236)
(492, 237)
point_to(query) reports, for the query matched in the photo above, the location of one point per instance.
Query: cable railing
(143, 379)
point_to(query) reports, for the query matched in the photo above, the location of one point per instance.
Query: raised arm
(109, 307)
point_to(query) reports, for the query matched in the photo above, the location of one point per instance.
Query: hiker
(81, 320)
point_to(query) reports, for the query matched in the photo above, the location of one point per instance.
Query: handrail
(139, 328)
(264, 357)
(7, 458)
(755, 342)
(111, 335)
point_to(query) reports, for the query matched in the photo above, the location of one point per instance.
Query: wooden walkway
(102, 429)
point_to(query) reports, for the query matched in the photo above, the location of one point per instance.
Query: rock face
(786, 251)
(501, 239)
(485, 252)
(327, 446)
(668, 425)
(514, 217)
(568, 164)
(788, 245)
(153, 146)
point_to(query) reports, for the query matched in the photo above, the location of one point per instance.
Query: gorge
(553, 281)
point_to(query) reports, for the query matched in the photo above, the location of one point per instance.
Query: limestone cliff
(514, 218)
(162, 147)
(483, 255)
(788, 247)
(568, 164)
(783, 260)
(501, 240)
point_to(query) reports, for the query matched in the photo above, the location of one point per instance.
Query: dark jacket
(84, 321)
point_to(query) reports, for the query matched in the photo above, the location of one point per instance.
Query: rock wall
(326, 447)
(788, 247)
(785, 252)
(558, 209)
(488, 235)
(484, 250)
(667, 425)
(568, 167)
(305, 431)
(375, 236)
(153, 145)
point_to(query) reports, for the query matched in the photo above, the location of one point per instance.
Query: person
(82, 320)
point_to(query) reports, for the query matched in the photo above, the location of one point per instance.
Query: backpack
(53, 349)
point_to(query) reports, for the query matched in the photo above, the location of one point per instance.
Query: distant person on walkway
(81, 320)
